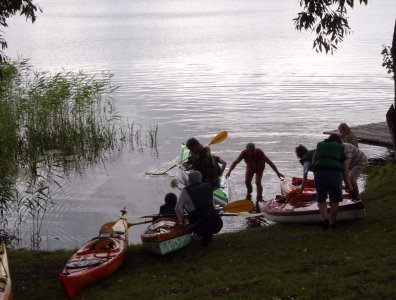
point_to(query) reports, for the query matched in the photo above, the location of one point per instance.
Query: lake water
(197, 68)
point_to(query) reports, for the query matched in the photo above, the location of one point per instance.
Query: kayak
(5, 279)
(289, 185)
(165, 235)
(98, 258)
(220, 195)
(305, 210)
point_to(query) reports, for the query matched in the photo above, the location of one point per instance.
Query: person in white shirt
(197, 200)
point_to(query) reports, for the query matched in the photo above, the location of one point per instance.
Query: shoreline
(277, 262)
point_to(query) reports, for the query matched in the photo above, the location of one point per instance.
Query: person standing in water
(255, 160)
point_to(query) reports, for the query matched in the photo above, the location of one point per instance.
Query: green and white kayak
(220, 195)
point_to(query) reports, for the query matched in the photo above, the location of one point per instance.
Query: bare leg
(355, 187)
(259, 176)
(248, 182)
(323, 210)
(333, 211)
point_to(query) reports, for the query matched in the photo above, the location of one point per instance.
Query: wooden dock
(376, 134)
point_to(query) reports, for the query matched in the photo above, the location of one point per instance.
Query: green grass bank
(356, 261)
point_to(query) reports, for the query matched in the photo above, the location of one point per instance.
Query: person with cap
(168, 209)
(305, 156)
(329, 165)
(255, 160)
(203, 161)
(197, 200)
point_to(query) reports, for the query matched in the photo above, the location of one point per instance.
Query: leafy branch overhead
(9, 8)
(327, 19)
(387, 60)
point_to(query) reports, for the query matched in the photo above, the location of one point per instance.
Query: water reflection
(197, 68)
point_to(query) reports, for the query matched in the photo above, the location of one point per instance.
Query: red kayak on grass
(98, 258)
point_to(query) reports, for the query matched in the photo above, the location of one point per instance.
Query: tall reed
(52, 124)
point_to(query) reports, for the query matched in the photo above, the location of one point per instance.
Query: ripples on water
(197, 68)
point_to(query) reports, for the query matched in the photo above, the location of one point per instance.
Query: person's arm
(307, 165)
(223, 165)
(234, 164)
(273, 167)
(347, 179)
(179, 208)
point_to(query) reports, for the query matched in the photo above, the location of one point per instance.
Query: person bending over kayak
(219, 161)
(203, 161)
(197, 200)
(356, 163)
(329, 165)
(255, 160)
(305, 156)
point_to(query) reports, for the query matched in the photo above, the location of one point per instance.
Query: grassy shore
(355, 261)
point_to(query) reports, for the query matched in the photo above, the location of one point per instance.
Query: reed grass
(52, 124)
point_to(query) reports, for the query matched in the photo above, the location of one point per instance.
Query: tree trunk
(391, 114)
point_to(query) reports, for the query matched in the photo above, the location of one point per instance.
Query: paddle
(217, 139)
(238, 206)
(110, 224)
(235, 207)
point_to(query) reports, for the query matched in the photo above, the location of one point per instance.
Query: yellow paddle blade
(111, 224)
(239, 206)
(245, 214)
(219, 138)
(293, 195)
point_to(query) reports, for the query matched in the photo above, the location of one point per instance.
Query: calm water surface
(197, 68)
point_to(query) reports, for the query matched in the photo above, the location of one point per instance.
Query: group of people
(336, 159)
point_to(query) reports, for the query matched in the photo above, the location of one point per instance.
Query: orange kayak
(98, 258)
(165, 235)
(5, 279)
(289, 185)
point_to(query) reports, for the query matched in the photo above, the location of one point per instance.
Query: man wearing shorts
(255, 160)
(356, 163)
(329, 165)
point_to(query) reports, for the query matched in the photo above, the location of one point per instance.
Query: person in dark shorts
(197, 200)
(255, 160)
(329, 165)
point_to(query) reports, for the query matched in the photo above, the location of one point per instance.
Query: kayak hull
(97, 259)
(5, 278)
(307, 211)
(220, 195)
(289, 185)
(165, 235)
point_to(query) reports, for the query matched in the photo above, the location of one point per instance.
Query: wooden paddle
(217, 139)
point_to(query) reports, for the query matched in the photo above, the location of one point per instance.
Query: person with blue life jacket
(305, 157)
(329, 165)
(197, 200)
